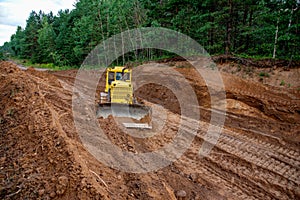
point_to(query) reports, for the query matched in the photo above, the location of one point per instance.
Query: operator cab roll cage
(120, 76)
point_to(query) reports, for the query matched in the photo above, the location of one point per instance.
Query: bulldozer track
(263, 129)
(272, 165)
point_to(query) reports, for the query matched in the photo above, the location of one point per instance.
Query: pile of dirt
(243, 96)
(36, 162)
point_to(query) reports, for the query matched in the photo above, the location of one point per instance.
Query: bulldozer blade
(137, 125)
(132, 111)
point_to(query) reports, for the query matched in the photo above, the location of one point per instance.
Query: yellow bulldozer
(118, 100)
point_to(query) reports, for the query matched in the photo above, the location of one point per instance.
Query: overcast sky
(14, 13)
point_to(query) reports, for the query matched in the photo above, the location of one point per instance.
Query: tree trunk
(123, 43)
(244, 39)
(250, 25)
(229, 29)
(102, 32)
(276, 38)
(212, 29)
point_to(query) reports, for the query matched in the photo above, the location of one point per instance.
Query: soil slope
(256, 157)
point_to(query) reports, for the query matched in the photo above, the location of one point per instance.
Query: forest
(246, 28)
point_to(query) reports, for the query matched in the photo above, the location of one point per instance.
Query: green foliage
(30, 38)
(282, 83)
(46, 42)
(17, 42)
(264, 74)
(246, 28)
(2, 56)
(50, 66)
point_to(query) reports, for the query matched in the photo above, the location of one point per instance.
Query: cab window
(126, 77)
(118, 76)
(111, 77)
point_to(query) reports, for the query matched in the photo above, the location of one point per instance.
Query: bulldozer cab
(117, 74)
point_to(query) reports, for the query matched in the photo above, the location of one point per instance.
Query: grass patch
(50, 66)
(282, 83)
(264, 74)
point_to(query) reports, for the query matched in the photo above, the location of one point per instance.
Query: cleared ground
(257, 155)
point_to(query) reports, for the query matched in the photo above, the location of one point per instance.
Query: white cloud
(5, 33)
(14, 13)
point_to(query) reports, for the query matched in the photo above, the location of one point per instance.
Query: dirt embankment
(42, 157)
(273, 108)
(36, 159)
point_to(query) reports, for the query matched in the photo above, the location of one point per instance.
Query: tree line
(257, 28)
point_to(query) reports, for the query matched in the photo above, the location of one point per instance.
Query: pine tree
(46, 41)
